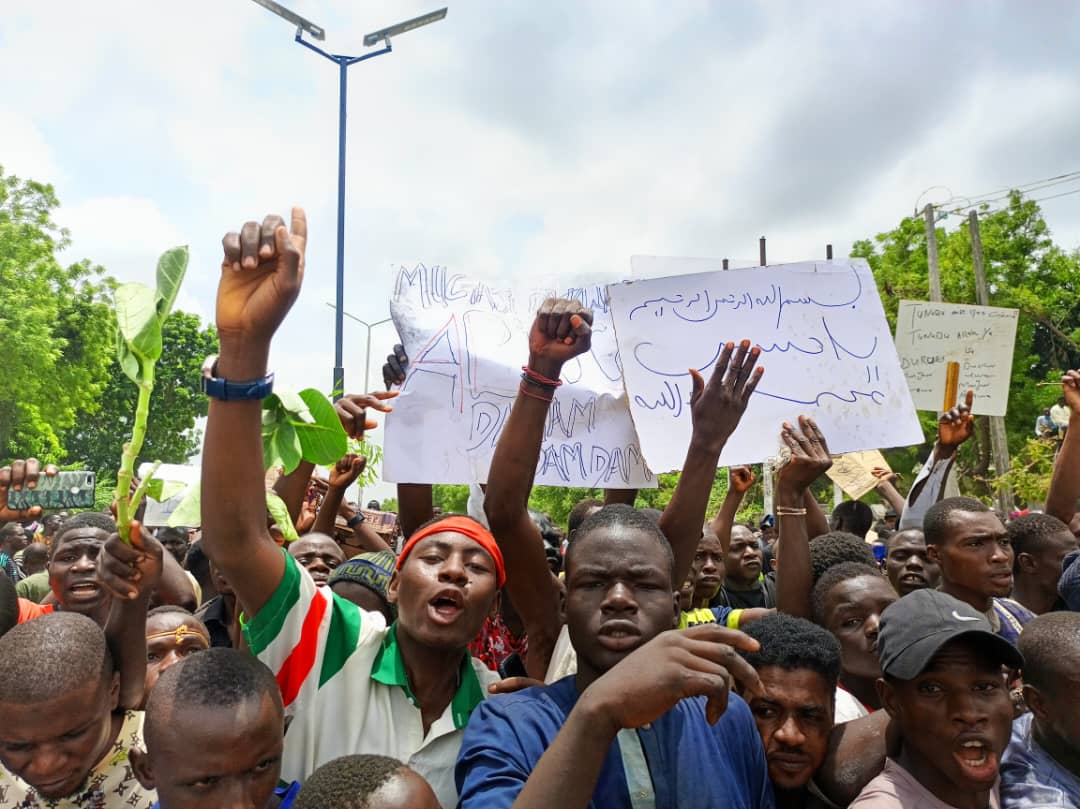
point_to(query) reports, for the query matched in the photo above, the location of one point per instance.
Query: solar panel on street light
(402, 27)
(314, 30)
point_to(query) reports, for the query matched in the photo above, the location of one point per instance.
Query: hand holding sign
(956, 426)
(562, 330)
(716, 407)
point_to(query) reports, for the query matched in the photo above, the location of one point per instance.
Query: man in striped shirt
(350, 683)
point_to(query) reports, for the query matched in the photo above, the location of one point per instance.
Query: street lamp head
(313, 30)
(402, 27)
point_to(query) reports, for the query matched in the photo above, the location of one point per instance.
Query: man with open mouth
(944, 689)
(906, 563)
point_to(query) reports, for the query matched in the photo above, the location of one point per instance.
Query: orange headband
(466, 527)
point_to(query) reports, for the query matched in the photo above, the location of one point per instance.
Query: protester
(1041, 766)
(852, 517)
(1060, 414)
(943, 688)
(405, 690)
(172, 633)
(318, 554)
(365, 782)
(743, 582)
(220, 615)
(798, 664)
(214, 735)
(10, 604)
(835, 547)
(35, 585)
(849, 600)
(1045, 427)
(907, 564)
(66, 735)
(621, 573)
(970, 544)
(12, 541)
(1040, 544)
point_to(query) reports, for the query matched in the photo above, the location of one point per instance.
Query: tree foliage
(1024, 270)
(175, 404)
(56, 325)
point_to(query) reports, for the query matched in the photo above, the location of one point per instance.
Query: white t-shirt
(847, 707)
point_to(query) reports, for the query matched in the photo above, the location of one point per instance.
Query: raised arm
(560, 332)
(816, 521)
(715, 408)
(342, 476)
(740, 479)
(130, 573)
(809, 460)
(261, 275)
(954, 428)
(887, 490)
(1065, 482)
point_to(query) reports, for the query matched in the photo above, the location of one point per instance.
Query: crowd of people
(643, 659)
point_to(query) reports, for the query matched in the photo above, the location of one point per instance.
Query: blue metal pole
(339, 368)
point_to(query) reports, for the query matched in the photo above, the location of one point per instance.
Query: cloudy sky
(515, 139)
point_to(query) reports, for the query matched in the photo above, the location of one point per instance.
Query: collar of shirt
(389, 669)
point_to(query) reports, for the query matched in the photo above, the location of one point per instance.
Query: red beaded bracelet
(539, 378)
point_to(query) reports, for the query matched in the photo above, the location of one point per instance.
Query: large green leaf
(285, 447)
(162, 490)
(280, 513)
(170, 274)
(189, 512)
(325, 441)
(138, 321)
(129, 363)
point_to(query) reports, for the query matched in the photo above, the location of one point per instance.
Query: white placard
(826, 350)
(467, 341)
(980, 338)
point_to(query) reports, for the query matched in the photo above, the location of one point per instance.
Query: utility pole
(931, 254)
(999, 446)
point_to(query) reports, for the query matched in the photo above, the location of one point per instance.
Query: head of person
(743, 561)
(848, 600)
(35, 558)
(175, 542)
(60, 690)
(172, 633)
(445, 584)
(552, 536)
(9, 603)
(799, 664)
(365, 782)
(835, 547)
(1062, 401)
(767, 526)
(13, 538)
(942, 685)
(318, 554)
(853, 516)
(907, 564)
(1040, 544)
(1050, 645)
(214, 733)
(373, 505)
(364, 579)
(707, 570)
(620, 591)
(581, 511)
(50, 523)
(1046, 412)
(971, 545)
(73, 563)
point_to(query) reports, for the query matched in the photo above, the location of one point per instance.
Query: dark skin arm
(1065, 482)
(715, 409)
(809, 460)
(639, 689)
(740, 479)
(560, 332)
(130, 573)
(342, 476)
(816, 521)
(415, 506)
(616, 496)
(856, 756)
(887, 490)
(954, 428)
(261, 275)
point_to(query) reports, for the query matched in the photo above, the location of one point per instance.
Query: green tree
(1024, 270)
(96, 438)
(56, 332)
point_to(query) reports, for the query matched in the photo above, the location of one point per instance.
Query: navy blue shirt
(693, 765)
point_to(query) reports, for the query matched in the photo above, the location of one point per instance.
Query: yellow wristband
(733, 619)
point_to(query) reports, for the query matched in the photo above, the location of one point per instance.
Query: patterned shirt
(110, 785)
(1031, 778)
(495, 643)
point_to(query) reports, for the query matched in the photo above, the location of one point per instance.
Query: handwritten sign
(980, 338)
(466, 341)
(853, 472)
(825, 346)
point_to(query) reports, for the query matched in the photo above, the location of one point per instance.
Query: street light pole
(344, 62)
(369, 327)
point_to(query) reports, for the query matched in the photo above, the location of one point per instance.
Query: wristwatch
(355, 520)
(225, 390)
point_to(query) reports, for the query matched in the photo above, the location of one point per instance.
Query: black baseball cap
(914, 628)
